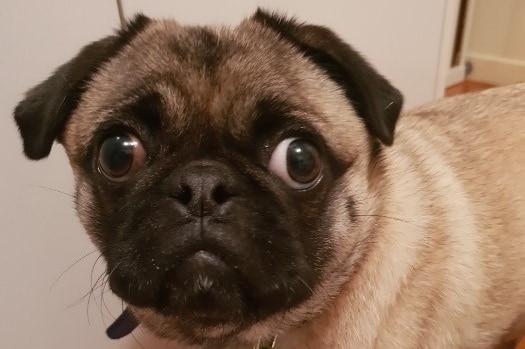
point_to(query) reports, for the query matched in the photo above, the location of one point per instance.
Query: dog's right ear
(46, 108)
(375, 100)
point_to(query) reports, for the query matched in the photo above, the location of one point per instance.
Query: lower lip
(204, 257)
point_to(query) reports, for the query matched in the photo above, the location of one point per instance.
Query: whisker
(93, 269)
(77, 302)
(389, 217)
(104, 302)
(104, 282)
(71, 266)
(94, 286)
(51, 189)
(91, 293)
(105, 279)
(306, 284)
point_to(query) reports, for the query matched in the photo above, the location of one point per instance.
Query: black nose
(202, 186)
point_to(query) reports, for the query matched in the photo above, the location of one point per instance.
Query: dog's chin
(205, 292)
(209, 301)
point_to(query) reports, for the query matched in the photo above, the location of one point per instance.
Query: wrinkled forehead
(209, 78)
(208, 72)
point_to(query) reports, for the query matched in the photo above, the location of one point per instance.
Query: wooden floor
(466, 87)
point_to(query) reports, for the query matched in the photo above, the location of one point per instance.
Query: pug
(257, 186)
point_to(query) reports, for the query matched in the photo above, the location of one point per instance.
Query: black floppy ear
(44, 111)
(375, 100)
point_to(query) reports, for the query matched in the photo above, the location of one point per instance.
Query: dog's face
(219, 171)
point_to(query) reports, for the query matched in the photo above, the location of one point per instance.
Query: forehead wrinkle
(219, 97)
(242, 82)
(185, 94)
(187, 111)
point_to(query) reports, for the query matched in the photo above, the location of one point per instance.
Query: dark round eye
(297, 162)
(120, 156)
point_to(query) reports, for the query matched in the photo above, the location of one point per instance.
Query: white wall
(40, 237)
(39, 233)
(496, 46)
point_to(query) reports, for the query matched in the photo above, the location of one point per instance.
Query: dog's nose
(202, 186)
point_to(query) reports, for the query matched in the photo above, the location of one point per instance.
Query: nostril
(184, 195)
(220, 195)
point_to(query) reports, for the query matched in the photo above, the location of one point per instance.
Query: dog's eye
(297, 162)
(120, 156)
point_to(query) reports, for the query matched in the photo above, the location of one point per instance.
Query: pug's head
(221, 172)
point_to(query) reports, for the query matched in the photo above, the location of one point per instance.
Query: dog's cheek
(351, 218)
(85, 203)
(347, 234)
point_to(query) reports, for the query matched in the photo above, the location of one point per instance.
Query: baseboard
(496, 70)
(456, 75)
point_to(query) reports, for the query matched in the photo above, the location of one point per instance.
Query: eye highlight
(297, 162)
(120, 156)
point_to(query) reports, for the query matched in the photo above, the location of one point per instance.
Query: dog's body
(362, 245)
(448, 269)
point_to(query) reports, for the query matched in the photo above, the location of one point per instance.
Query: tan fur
(436, 255)
(452, 259)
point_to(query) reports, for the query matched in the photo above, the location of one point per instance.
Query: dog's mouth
(200, 287)
(207, 284)
(206, 290)
(206, 300)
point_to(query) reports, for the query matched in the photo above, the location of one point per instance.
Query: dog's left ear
(44, 111)
(375, 100)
